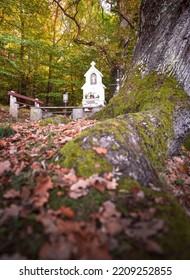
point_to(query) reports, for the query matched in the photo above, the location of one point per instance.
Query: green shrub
(179, 181)
(55, 98)
(4, 98)
(6, 131)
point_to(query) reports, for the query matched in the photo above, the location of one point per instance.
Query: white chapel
(93, 89)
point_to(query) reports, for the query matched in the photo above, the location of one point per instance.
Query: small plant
(179, 182)
(6, 131)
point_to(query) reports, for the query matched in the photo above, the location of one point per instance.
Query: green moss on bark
(79, 153)
(145, 94)
(150, 104)
(155, 131)
(85, 161)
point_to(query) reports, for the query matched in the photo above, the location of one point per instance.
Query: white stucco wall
(93, 94)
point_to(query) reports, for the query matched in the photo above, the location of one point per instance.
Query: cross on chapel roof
(93, 63)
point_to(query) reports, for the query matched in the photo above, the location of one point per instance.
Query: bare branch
(123, 16)
(73, 18)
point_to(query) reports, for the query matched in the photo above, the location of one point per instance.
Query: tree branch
(98, 47)
(123, 16)
(76, 39)
(73, 18)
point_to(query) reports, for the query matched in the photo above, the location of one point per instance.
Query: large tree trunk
(164, 42)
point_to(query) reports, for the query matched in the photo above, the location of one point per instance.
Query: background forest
(46, 46)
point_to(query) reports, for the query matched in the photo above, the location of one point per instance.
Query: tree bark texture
(164, 41)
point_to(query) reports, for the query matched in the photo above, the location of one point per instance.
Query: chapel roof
(94, 69)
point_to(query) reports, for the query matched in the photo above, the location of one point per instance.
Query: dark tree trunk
(164, 42)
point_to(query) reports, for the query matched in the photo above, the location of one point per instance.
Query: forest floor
(47, 212)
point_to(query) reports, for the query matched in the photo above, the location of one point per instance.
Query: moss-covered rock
(6, 131)
(57, 119)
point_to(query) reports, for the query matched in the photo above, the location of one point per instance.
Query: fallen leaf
(65, 140)
(41, 194)
(60, 250)
(98, 182)
(3, 143)
(16, 137)
(178, 160)
(20, 168)
(12, 150)
(110, 219)
(147, 215)
(108, 176)
(12, 211)
(66, 211)
(144, 230)
(15, 127)
(79, 189)
(4, 166)
(71, 176)
(108, 210)
(50, 154)
(100, 151)
(36, 165)
(43, 186)
(11, 194)
(101, 183)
